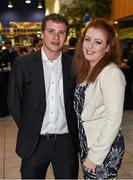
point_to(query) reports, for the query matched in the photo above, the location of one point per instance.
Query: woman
(98, 100)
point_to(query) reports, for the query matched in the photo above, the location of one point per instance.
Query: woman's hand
(89, 165)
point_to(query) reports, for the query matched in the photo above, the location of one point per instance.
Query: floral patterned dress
(109, 168)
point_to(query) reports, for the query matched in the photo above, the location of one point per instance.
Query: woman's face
(95, 45)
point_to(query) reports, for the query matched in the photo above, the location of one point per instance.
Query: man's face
(54, 36)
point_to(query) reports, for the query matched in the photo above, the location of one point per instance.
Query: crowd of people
(9, 53)
(63, 103)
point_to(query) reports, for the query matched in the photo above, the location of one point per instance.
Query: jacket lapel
(38, 69)
(39, 74)
(65, 72)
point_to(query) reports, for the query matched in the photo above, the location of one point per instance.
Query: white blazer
(102, 112)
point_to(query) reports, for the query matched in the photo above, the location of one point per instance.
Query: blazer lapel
(65, 72)
(38, 70)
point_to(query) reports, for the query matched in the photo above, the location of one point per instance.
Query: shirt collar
(46, 60)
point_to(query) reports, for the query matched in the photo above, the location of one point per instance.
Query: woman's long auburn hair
(82, 65)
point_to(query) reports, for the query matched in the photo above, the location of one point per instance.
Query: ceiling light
(10, 5)
(115, 22)
(40, 5)
(28, 1)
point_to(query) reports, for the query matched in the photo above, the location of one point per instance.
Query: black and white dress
(109, 168)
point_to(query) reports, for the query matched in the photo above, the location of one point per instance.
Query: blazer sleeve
(113, 88)
(15, 92)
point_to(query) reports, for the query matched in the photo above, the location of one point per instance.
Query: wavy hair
(82, 65)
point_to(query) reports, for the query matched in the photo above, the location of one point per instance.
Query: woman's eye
(87, 39)
(98, 42)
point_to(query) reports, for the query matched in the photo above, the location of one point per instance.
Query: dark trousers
(59, 152)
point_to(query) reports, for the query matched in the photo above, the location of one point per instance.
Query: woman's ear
(107, 49)
(42, 35)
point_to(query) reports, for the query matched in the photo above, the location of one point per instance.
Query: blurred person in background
(71, 48)
(130, 76)
(127, 49)
(8, 55)
(37, 44)
(130, 58)
(22, 51)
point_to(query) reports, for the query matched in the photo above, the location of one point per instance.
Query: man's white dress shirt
(54, 121)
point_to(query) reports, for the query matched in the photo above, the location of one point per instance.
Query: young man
(40, 100)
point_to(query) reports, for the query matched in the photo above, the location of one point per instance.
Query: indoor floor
(10, 162)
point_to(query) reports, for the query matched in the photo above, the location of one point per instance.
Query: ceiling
(20, 4)
(21, 12)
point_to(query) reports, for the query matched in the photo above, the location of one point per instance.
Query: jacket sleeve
(15, 92)
(113, 88)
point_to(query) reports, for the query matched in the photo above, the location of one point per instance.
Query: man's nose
(56, 35)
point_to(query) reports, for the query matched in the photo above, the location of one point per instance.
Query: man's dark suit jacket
(70, 52)
(27, 100)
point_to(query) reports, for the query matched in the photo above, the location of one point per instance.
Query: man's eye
(50, 30)
(63, 33)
